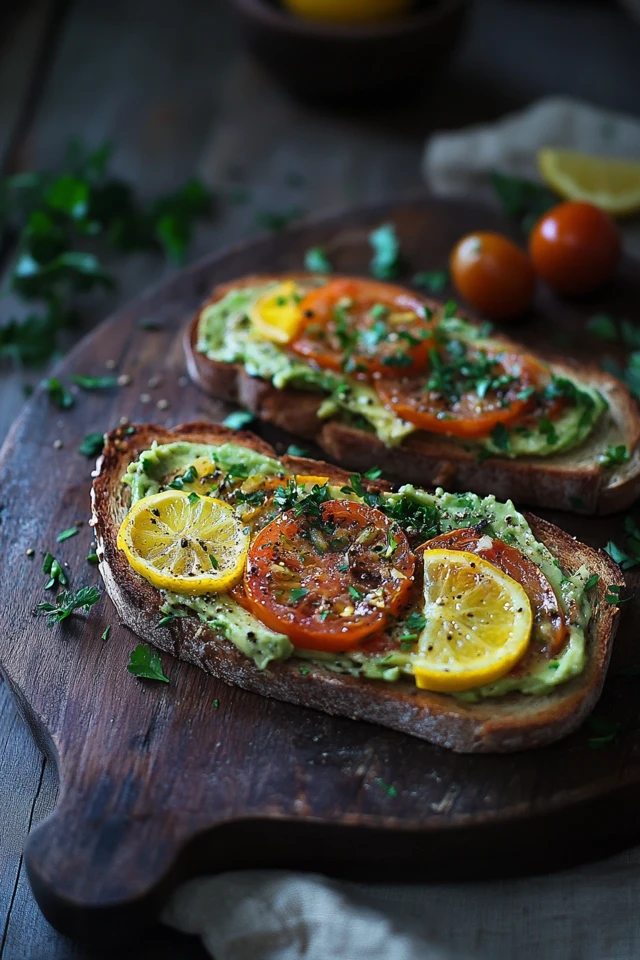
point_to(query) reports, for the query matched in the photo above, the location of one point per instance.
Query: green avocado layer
(225, 334)
(156, 467)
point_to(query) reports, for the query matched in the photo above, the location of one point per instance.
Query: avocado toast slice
(139, 461)
(560, 463)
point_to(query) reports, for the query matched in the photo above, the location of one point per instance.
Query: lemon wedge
(612, 185)
(478, 622)
(276, 314)
(184, 543)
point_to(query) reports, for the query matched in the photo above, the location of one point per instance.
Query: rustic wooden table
(171, 86)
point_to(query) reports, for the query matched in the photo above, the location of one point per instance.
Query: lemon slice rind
(612, 185)
(183, 545)
(478, 623)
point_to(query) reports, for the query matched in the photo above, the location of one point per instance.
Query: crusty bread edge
(424, 459)
(511, 723)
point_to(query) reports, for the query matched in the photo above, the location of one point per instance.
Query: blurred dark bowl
(335, 63)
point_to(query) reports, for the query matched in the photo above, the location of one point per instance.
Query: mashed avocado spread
(226, 334)
(414, 509)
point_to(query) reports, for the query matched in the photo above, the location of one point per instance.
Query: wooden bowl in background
(338, 63)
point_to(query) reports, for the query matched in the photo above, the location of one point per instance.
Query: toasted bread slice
(572, 480)
(509, 723)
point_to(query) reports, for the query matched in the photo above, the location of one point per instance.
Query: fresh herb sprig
(54, 215)
(145, 663)
(67, 603)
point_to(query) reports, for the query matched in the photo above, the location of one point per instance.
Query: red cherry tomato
(575, 248)
(493, 274)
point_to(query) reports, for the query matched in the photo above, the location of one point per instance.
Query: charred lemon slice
(276, 314)
(185, 543)
(478, 622)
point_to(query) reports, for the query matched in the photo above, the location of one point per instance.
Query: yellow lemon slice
(276, 314)
(612, 185)
(478, 622)
(183, 543)
(347, 11)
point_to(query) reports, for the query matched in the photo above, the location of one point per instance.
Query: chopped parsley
(67, 534)
(389, 788)
(238, 419)
(92, 445)
(53, 569)
(304, 671)
(500, 437)
(145, 663)
(591, 582)
(94, 383)
(317, 261)
(293, 450)
(548, 430)
(93, 558)
(297, 594)
(613, 456)
(58, 393)
(214, 563)
(193, 498)
(189, 476)
(432, 280)
(106, 632)
(602, 326)
(355, 593)
(386, 261)
(67, 603)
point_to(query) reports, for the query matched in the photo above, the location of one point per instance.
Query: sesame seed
(162, 404)
(145, 398)
(183, 381)
(154, 382)
(124, 380)
(110, 364)
(123, 421)
(30, 552)
(57, 444)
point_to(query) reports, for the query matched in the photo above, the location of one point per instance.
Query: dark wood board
(158, 783)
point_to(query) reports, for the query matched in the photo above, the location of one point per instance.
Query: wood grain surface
(174, 90)
(158, 783)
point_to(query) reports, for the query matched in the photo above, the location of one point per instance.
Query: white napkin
(586, 914)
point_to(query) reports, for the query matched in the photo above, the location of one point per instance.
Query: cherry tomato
(465, 396)
(493, 274)
(364, 327)
(575, 248)
(549, 626)
(328, 578)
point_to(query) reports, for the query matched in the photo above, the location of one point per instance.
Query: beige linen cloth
(592, 913)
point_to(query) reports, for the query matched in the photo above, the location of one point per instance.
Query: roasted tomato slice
(466, 392)
(328, 580)
(364, 327)
(549, 626)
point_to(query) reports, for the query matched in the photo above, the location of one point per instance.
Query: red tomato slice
(328, 580)
(364, 327)
(549, 624)
(465, 396)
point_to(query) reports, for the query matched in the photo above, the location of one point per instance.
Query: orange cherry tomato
(364, 327)
(549, 625)
(330, 578)
(575, 248)
(493, 274)
(465, 396)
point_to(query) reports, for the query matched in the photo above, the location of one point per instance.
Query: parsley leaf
(316, 261)
(238, 419)
(602, 326)
(67, 534)
(297, 594)
(614, 456)
(500, 437)
(146, 664)
(58, 394)
(92, 445)
(415, 622)
(432, 280)
(53, 569)
(389, 788)
(386, 261)
(106, 632)
(67, 603)
(591, 582)
(94, 383)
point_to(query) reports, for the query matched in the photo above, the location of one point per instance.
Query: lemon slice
(185, 544)
(276, 314)
(478, 622)
(612, 185)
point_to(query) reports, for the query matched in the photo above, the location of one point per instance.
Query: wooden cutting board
(160, 782)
